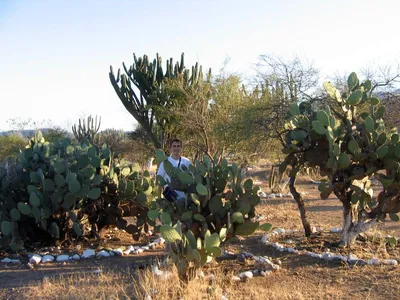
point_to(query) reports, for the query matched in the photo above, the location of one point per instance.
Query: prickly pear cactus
(217, 207)
(349, 148)
(57, 187)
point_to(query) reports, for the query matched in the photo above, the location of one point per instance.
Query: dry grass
(138, 285)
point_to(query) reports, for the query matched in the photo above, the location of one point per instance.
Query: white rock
(62, 257)
(35, 259)
(118, 252)
(336, 229)
(147, 297)
(374, 261)
(140, 250)
(15, 261)
(88, 253)
(128, 250)
(316, 255)
(103, 253)
(156, 271)
(235, 278)
(262, 194)
(266, 273)
(280, 230)
(247, 274)
(279, 195)
(47, 258)
(272, 196)
(75, 257)
(390, 262)
(328, 256)
(264, 239)
(352, 256)
(145, 248)
(159, 241)
(223, 297)
(6, 260)
(308, 253)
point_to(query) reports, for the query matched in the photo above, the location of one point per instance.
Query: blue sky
(55, 55)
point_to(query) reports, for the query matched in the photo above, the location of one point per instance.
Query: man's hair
(175, 141)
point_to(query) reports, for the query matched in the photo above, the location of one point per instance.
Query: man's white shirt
(175, 162)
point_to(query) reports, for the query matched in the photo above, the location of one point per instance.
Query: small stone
(159, 241)
(75, 257)
(352, 256)
(390, 262)
(280, 230)
(291, 250)
(6, 260)
(15, 261)
(145, 248)
(140, 250)
(327, 256)
(47, 258)
(111, 253)
(117, 252)
(374, 261)
(278, 262)
(279, 195)
(103, 253)
(264, 239)
(316, 255)
(336, 229)
(272, 196)
(262, 194)
(88, 253)
(223, 297)
(62, 258)
(235, 278)
(246, 275)
(266, 273)
(35, 259)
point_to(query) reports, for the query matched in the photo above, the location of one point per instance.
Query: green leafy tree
(10, 146)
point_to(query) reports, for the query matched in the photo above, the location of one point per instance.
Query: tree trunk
(352, 225)
(300, 204)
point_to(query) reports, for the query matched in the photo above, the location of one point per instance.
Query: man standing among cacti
(177, 160)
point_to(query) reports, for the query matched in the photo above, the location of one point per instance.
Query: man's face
(176, 148)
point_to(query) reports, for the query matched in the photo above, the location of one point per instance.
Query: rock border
(35, 258)
(327, 256)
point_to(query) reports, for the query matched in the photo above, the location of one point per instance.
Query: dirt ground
(301, 277)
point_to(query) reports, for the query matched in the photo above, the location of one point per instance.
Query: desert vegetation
(266, 157)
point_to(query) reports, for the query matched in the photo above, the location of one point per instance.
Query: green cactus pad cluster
(218, 205)
(348, 147)
(60, 186)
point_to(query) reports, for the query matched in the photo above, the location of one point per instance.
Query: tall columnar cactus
(217, 207)
(58, 187)
(86, 129)
(349, 148)
(149, 104)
